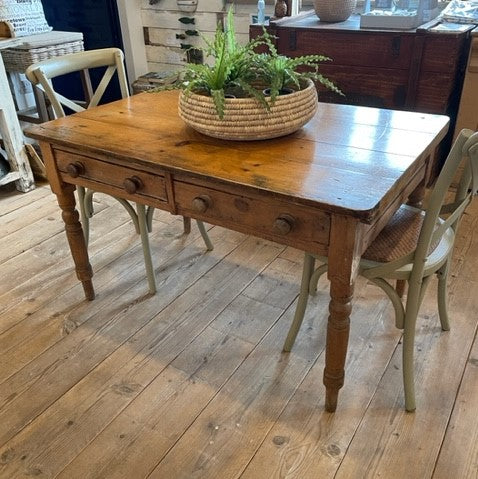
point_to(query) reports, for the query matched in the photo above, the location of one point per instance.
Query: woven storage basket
(334, 10)
(41, 47)
(245, 118)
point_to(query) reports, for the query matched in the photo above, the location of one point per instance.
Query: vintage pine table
(328, 188)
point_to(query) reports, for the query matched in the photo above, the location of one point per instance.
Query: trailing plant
(240, 68)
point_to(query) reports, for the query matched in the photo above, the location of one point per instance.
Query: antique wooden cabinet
(417, 70)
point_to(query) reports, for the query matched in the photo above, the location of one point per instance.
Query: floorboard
(192, 383)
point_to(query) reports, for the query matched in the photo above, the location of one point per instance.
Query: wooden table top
(347, 159)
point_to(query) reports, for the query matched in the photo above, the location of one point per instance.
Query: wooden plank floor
(191, 382)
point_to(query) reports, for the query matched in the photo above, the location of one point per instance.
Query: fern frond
(219, 101)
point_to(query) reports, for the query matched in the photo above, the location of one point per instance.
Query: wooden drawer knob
(75, 169)
(284, 224)
(132, 185)
(201, 203)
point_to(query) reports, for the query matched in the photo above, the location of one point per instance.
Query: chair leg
(202, 230)
(186, 225)
(205, 236)
(84, 218)
(41, 106)
(149, 218)
(413, 303)
(89, 210)
(143, 230)
(442, 274)
(308, 269)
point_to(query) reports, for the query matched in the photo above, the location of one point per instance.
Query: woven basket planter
(334, 10)
(245, 118)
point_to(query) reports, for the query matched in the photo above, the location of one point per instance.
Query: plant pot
(282, 91)
(334, 10)
(245, 118)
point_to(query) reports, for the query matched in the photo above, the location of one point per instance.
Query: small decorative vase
(280, 9)
(334, 10)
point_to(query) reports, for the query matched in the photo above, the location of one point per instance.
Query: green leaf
(219, 101)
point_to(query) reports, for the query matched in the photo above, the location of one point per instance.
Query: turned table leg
(344, 256)
(338, 328)
(76, 240)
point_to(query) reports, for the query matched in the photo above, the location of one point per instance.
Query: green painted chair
(40, 75)
(413, 247)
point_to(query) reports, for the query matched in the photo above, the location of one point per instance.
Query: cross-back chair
(414, 246)
(41, 74)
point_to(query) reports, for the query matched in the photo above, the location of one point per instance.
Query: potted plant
(256, 80)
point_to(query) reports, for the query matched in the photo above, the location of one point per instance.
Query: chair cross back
(431, 232)
(41, 74)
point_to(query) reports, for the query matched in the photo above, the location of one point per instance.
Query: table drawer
(124, 181)
(267, 217)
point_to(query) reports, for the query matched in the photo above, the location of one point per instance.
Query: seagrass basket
(334, 10)
(245, 118)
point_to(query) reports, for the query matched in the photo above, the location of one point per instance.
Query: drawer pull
(75, 169)
(132, 185)
(284, 224)
(201, 203)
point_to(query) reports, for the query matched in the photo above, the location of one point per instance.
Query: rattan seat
(399, 237)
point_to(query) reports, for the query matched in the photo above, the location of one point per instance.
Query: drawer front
(435, 93)
(123, 182)
(291, 224)
(350, 48)
(376, 87)
(443, 53)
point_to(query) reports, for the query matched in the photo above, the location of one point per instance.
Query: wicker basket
(245, 118)
(334, 10)
(41, 47)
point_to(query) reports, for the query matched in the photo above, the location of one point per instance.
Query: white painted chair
(413, 247)
(40, 75)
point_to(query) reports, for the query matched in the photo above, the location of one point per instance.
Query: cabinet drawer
(363, 49)
(123, 182)
(266, 217)
(443, 53)
(377, 87)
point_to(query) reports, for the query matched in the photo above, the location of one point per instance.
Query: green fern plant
(240, 67)
(280, 72)
(233, 67)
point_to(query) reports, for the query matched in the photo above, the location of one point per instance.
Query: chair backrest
(464, 149)
(40, 74)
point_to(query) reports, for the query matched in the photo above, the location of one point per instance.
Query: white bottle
(260, 12)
